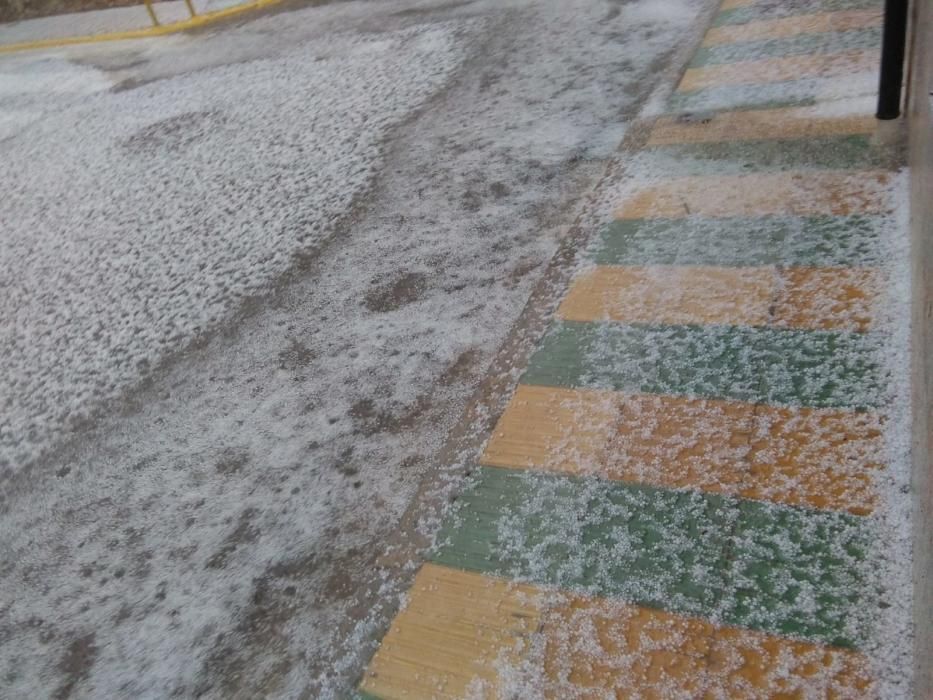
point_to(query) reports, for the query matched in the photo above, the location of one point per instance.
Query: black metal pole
(892, 59)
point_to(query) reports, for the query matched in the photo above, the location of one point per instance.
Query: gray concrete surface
(322, 250)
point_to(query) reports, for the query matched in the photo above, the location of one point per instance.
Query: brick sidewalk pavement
(688, 493)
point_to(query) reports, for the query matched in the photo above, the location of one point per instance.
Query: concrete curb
(919, 120)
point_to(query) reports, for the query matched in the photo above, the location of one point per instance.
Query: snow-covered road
(250, 280)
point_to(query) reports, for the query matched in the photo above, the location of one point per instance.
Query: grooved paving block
(555, 429)
(759, 365)
(773, 568)
(814, 193)
(446, 642)
(793, 9)
(819, 241)
(515, 525)
(821, 458)
(674, 360)
(799, 44)
(780, 69)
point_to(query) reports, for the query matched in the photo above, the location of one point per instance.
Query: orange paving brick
(792, 26)
(598, 648)
(815, 457)
(672, 295)
(776, 70)
(462, 634)
(747, 665)
(797, 297)
(828, 298)
(838, 193)
(750, 125)
(819, 458)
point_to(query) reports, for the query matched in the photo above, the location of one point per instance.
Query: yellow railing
(157, 28)
(152, 14)
(155, 19)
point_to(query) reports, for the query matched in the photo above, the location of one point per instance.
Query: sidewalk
(699, 487)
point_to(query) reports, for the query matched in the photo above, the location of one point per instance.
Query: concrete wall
(920, 130)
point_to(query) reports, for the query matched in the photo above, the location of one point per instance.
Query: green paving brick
(832, 537)
(773, 568)
(729, 100)
(658, 548)
(822, 43)
(784, 558)
(770, 10)
(632, 358)
(791, 93)
(758, 365)
(742, 242)
(737, 157)
(664, 549)
(817, 368)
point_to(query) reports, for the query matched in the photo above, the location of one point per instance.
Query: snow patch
(140, 221)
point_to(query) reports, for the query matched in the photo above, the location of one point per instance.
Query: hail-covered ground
(250, 279)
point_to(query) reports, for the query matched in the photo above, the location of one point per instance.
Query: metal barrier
(892, 59)
(155, 19)
(179, 19)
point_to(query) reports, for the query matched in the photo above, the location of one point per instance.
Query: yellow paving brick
(838, 193)
(556, 429)
(672, 295)
(776, 70)
(836, 298)
(751, 125)
(792, 26)
(819, 458)
(447, 641)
